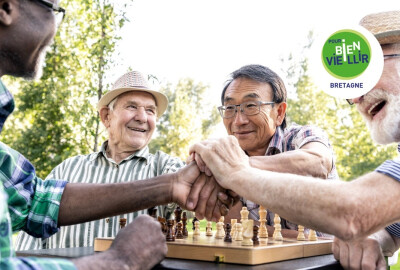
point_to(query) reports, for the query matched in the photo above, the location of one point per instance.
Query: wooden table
(317, 262)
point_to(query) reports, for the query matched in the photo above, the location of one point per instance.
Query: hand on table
(362, 254)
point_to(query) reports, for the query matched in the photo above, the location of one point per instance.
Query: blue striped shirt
(391, 168)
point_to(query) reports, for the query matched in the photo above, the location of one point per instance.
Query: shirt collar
(6, 104)
(142, 153)
(275, 145)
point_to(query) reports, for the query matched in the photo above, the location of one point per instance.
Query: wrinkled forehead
(138, 96)
(244, 88)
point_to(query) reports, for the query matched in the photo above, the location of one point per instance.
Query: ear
(105, 116)
(281, 109)
(8, 9)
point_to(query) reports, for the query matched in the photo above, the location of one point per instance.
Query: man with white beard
(351, 211)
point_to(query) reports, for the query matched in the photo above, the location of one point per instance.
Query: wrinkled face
(253, 132)
(32, 32)
(132, 121)
(380, 107)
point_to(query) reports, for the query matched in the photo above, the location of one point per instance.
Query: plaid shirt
(33, 204)
(391, 168)
(290, 139)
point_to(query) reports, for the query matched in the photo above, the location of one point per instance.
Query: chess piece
(122, 223)
(244, 214)
(196, 228)
(239, 232)
(301, 236)
(193, 221)
(178, 214)
(170, 234)
(179, 234)
(278, 228)
(312, 236)
(228, 237)
(221, 220)
(255, 235)
(233, 225)
(184, 222)
(263, 232)
(248, 232)
(209, 229)
(152, 212)
(219, 234)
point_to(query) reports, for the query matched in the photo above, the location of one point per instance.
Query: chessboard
(208, 248)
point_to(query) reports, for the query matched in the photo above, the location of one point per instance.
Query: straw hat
(133, 81)
(384, 25)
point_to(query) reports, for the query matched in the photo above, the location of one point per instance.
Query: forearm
(101, 261)
(302, 162)
(340, 208)
(85, 202)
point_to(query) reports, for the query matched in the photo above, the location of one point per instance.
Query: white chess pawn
(301, 236)
(248, 232)
(209, 229)
(196, 228)
(312, 236)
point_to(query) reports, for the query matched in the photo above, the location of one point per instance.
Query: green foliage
(188, 119)
(356, 153)
(56, 117)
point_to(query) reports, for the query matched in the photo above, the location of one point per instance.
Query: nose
(141, 115)
(358, 99)
(240, 118)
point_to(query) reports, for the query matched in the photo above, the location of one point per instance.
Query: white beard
(386, 130)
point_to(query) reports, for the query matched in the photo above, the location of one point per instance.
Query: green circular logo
(346, 54)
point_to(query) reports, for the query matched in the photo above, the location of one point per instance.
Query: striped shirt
(391, 168)
(291, 139)
(98, 168)
(26, 202)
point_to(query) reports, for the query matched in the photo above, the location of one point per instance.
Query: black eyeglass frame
(54, 6)
(385, 57)
(221, 109)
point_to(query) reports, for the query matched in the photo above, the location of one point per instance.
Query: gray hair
(112, 103)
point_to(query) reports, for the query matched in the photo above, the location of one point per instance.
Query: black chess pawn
(170, 234)
(193, 221)
(255, 235)
(184, 222)
(228, 237)
(179, 234)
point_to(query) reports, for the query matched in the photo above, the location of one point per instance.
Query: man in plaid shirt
(39, 207)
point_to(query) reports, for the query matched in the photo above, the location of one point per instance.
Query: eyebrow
(251, 95)
(136, 104)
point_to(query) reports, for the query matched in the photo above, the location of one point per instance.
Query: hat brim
(388, 37)
(161, 99)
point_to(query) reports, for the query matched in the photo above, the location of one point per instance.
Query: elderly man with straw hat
(349, 210)
(129, 113)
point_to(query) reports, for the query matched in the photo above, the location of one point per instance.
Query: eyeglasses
(385, 57)
(388, 56)
(248, 108)
(55, 6)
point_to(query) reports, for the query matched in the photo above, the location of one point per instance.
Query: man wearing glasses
(349, 210)
(254, 111)
(40, 207)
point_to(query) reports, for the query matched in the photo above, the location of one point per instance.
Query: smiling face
(380, 107)
(253, 132)
(131, 123)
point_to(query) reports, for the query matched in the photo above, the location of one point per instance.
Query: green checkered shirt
(33, 204)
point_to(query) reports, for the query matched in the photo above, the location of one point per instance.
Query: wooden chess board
(208, 248)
